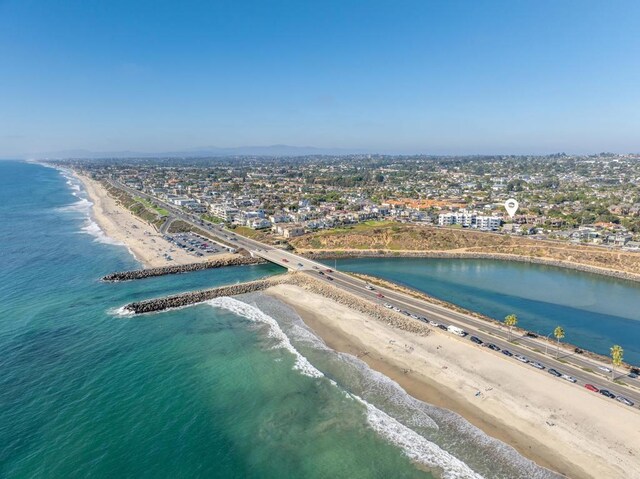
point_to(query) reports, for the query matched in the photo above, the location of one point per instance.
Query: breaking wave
(415, 446)
(254, 314)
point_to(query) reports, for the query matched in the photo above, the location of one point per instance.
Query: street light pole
(546, 345)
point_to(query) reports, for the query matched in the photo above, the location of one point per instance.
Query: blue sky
(391, 76)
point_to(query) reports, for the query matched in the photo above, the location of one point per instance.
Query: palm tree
(559, 334)
(511, 320)
(616, 358)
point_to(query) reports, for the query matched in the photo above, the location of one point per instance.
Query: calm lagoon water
(595, 311)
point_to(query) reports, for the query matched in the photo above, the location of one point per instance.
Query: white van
(456, 330)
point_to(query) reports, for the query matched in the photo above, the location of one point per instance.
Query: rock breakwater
(235, 260)
(194, 297)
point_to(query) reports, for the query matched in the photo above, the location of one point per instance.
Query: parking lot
(196, 245)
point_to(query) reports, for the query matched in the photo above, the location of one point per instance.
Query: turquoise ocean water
(237, 388)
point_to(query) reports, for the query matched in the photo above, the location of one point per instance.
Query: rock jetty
(309, 283)
(194, 297)
(236, 260)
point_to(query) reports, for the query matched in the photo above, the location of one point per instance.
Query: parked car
(536, 365)
(591, 387)
(554, 372)
(493, 347)
(388, 306)
(624, 400)
(632, 375)
(476, 339)
(506, 352)
(635, 371)
(433, 323)
(521, 358)
(571, 379)
(607, 393)
(443, 327)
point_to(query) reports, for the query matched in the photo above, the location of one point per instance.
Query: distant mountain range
(272, 150)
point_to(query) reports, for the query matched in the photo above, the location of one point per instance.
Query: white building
(224, 211)
(469, 219)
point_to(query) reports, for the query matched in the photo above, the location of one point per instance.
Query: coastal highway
(583, 369)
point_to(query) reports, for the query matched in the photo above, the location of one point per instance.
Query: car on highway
(554, 372)
(632, 375)
(476, 339)
(506, 352)
(624, 400)
(328, 270)
(369, 287)
(607, 393)
(380, 295)
(329, 278)
(493, 347)
(529, 334)
(566, 377)
(300, 264)
(591, 387)
(520, 358)
(315, 267)
(285, 260)
(320, 273)
(604, 368)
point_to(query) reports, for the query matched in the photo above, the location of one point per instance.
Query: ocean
(233, 388)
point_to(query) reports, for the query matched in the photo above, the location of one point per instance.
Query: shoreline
(358, 254)
(550, 423)
(143, 241)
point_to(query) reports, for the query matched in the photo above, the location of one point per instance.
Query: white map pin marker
(511, 206)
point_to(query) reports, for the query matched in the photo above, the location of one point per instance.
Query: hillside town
(583, 199)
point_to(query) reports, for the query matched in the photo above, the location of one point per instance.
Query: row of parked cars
(193, 244)
(554, 372)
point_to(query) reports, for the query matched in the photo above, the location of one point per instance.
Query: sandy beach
(144, 242)
(558, 425)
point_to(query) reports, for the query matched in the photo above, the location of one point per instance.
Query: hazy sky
(395, 76)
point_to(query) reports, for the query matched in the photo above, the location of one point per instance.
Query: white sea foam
(415, 446)
(410, 442)
(84, 206)
(416, 420)
(254, 314)
(92, 228)
(121, 312)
